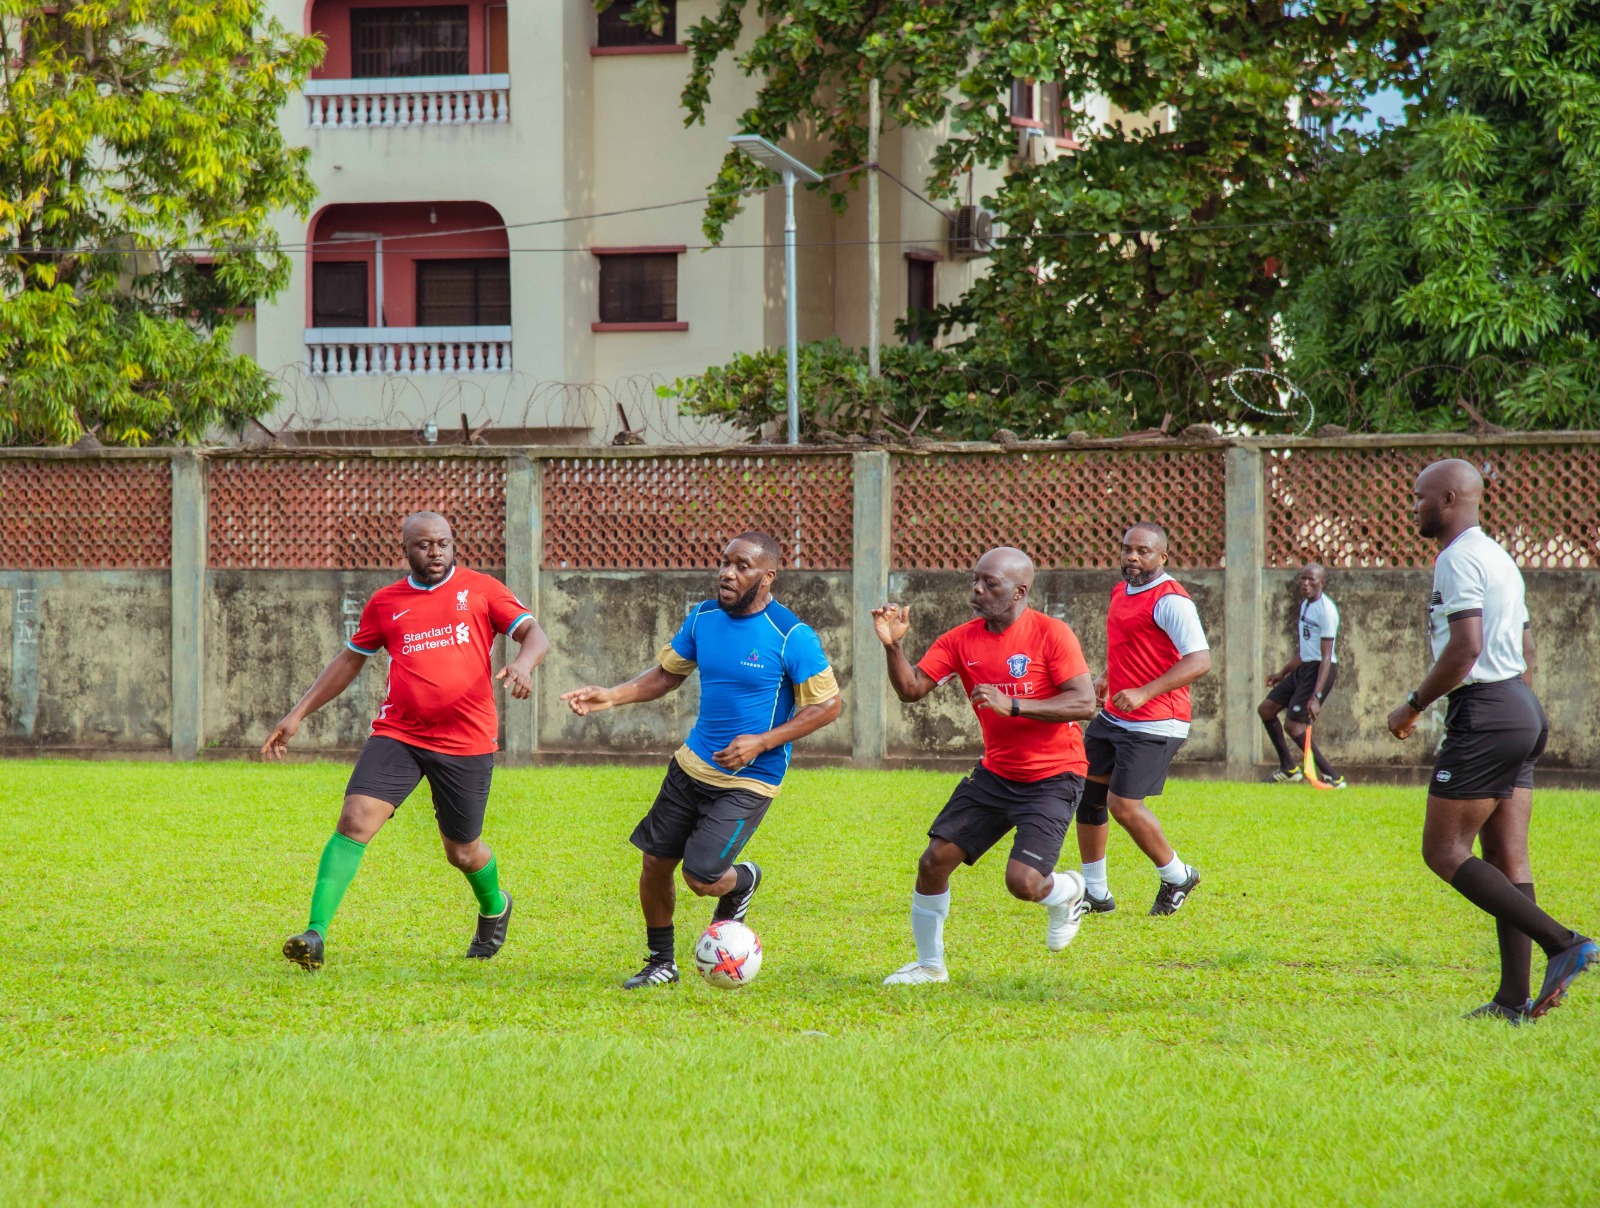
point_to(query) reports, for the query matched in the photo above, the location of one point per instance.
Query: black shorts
(1295, 689)
(985, 806)
(389, 769)
(1493, 735)
(1136, 763)
(704, 826)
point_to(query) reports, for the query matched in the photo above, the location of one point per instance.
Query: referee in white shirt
(1303, 685)
(1495, 731)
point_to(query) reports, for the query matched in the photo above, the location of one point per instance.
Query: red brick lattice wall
(676, 513)
(345, 513)
(1352, 507)
(87, 515)
(1065, 510)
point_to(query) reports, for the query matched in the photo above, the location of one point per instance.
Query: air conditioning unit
(1032, 146)
(971, 232)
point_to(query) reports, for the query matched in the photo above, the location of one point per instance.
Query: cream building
(457, 264)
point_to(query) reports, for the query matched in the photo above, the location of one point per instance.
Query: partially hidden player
(1302, 687)
(764, 682)
(1029, 686)
(1495, 731)
(1155, 648)
(437, 723)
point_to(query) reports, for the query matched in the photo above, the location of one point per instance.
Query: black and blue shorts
(704, 825)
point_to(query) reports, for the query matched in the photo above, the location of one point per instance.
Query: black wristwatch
(1016, 706)
(1411, 699)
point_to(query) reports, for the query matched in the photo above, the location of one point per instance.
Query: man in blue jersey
(764, 682)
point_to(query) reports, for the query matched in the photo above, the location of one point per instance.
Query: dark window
(616, 31)
(339, 294)
(1022, 99)
(212, 293)
(639, 289)
(919, 301)
(464, 293)
(390, 42)
(1053, 111)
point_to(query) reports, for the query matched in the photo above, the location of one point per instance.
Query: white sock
(928, 912)
(1061, 891)
(1175, 873)
(1094, 876)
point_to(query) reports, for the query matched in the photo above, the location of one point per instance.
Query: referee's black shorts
(1493, 735)
(1295, 689)
(389, 769)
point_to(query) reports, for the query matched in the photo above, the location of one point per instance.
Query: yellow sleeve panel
(820, 688)
(674, 663)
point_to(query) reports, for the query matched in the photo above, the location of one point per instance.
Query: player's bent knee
(1024, 882)
(1268, 710)
(701, 880)
(1092, 805)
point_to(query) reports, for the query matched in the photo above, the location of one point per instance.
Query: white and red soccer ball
(728, 955)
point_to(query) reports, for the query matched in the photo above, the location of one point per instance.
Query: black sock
(1274, 727)
(1324, 768)
(1487, 888)
(1516, 960)
(743, 878)
(660, 941)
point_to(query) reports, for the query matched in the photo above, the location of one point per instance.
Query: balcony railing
(407, 351)
(412, 101)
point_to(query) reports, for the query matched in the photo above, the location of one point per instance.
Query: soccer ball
(728, 955)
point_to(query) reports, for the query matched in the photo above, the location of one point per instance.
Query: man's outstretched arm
(649, 685)
(338, 675)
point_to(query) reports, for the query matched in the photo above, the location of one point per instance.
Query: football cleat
(1170, 897)
(654, 973)
(491, 933)
(1103, 905)
(1336, 782)
(1515, 1016)
(1293, 776)
(732, 907)
(1565, 965)
(916, 974)
(304, 950)
(1066, 918)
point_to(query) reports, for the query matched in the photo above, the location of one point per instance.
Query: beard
(1430, 525)
(1138, 578)
(743, 602)
(420, 573)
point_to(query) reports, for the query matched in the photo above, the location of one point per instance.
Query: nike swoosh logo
(399, 614)
(973, 662)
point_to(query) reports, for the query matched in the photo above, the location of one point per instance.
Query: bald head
(1001, 580)
(1154, 535)
(1445, 499)
(1311, 579)
(418, 520)
(430, 547)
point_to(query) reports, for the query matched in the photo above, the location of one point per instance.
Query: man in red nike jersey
(437, 722)
(1029, 685)
(1155, 648)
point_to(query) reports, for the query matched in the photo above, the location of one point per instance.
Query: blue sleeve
(683, 641)
(803, 656)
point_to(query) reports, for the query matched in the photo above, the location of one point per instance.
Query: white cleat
(916, 974)
(1066, 918)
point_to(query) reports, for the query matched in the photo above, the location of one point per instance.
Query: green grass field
(1291, 1037)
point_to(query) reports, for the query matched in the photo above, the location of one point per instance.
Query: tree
(140, 164)
(1175, 237)
(1464, 276)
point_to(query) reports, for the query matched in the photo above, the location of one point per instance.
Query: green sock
(486, 887)
(340, 859)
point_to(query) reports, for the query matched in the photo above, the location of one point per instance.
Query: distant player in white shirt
(1495, 731)
(1305, 681)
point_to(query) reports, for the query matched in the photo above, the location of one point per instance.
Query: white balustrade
(407, 351)
(409, 101)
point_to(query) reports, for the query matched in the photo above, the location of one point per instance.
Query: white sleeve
(1330, 618)
(1460, 582)
(1179, 619)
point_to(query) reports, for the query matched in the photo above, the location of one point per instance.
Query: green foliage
(1465, 267)
(1166, 236)
(128, 129)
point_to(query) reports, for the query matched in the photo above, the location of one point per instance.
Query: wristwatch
(1411, 699)
(1016, 707)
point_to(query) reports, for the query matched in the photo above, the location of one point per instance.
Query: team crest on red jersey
(1017, 664)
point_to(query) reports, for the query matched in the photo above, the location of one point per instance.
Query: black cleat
(1170, 897)
(654, 973)
(1515, 1016)
(732, 907)
(304, 950)
(491, 933)
(1103, 905)
(1565, 965)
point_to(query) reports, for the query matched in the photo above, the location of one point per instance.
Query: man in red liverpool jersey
(1155, 648)
(1029, 685)
(438, 723)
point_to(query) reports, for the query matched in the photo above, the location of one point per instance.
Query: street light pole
(768, 155)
